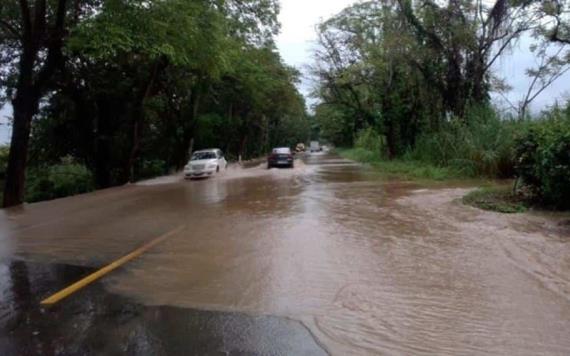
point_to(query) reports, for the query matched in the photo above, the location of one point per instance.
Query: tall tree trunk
(128, 172)
(138, 122)
(25, 106)
(242, 146)
(33, 79)
(102, 143)
(391, 139)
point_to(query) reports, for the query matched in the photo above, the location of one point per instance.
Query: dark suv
(280, 157)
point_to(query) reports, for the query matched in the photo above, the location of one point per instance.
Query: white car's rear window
(203, 155)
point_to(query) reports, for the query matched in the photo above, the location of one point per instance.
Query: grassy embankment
(409, 169)
(500, 199)
(495, 198)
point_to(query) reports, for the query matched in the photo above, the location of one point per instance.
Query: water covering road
(365, 264)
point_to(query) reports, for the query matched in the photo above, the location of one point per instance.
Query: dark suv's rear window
(282, 150)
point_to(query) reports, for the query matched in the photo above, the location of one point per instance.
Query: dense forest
(109, 91)
(414, 81)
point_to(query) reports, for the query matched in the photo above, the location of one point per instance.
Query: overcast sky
(299, 17)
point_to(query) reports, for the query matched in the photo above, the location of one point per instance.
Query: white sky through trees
(297, 40)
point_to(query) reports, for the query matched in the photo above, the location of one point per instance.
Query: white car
(205, 163)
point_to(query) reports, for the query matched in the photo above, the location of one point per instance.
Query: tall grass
(399, 167)
(480, 145)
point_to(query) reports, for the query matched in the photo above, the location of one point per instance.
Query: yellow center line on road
(64, 293)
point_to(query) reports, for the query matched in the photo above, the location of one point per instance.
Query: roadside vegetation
(406, 87)
(3, 163)
(107, 92)
(405, 168)
(542, 158)
(58, 180)
(499, 199)
(534, 153)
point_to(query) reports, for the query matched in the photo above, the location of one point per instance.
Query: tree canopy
(406, 68)
(124, 85)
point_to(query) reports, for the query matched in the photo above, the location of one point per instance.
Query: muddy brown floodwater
(368, 265)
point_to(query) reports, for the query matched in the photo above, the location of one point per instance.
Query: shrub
(369, 140)
(152, 168)
(542, 155)
(61, 180)
(480, 146)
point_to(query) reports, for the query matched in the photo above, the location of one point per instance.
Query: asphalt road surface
(326, 258)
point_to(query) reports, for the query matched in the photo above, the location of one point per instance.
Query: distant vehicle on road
(300, 147)
(281, 157)
(315, 147)
(205, 163)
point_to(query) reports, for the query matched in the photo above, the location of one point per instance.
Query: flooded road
(359, 264)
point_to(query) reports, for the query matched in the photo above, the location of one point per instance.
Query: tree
(366, 71)
(551, 52)
(550, 67)
(470, 36)
(406, 68)
(139, 80)
(556, 27)
(134, 36)
(102, 64)
(33, 36)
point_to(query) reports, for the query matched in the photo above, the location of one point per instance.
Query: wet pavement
(95, 322)
(329, 257)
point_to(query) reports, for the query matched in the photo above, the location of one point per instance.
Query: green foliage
(369, 140)
(145, 80)
(483, 146)
(401, 168)
(499, 199)
(418, 72)
(542, 154)
(151, 169)
(335, 124)
(138, 82)
(64, 179)
(183, 32)
(360, 155)
(4, 150)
